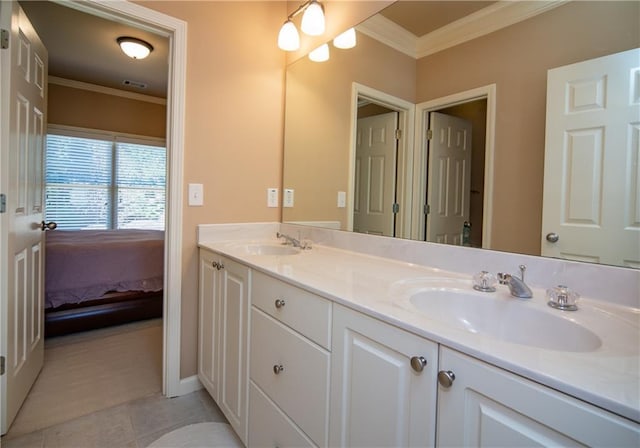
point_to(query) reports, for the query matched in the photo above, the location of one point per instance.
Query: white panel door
(449, 182)
(375, 177)
(377, 398)
(592, 171)
(24, 98)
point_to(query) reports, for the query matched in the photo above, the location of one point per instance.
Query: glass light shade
(320, 54)
(346, 40)
(288, 38)
(313, 20)
(134, 48)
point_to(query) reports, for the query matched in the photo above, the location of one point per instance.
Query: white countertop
(608, 377)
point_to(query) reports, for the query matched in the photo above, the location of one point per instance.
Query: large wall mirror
(483, 66)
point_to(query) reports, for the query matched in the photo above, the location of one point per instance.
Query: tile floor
(135, 424)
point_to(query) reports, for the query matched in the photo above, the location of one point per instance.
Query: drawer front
(301, 387)
(270, 426)
(303, 311)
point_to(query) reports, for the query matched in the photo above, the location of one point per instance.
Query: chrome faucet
(517, 286)
(293, 241)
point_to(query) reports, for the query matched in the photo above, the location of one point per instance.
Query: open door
(23, 124)
(448, 186)
(591, 207)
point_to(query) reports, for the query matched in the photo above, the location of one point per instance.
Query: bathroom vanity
(335, 347)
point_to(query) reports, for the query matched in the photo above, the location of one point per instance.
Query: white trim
(101, 134)
(176, 30)
(105, 90)
(422, 110)
(189, 384)
(484, 21)
(404, 180)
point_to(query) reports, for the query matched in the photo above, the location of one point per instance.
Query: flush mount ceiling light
(312, 24)
(345, 40)
(134, 48)
(320, 54)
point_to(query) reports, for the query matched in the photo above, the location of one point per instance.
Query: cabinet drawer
(303, 311)
(270, 426)
(301, 388)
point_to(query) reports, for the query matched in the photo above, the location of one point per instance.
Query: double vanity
(334, 346)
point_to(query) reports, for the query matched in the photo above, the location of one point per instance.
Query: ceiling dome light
(320, 54)
(135, 48)
(313, 19)
(288, 38)
(345, 40)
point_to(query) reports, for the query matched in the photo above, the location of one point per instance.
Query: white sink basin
(269, 249)
(509, 320)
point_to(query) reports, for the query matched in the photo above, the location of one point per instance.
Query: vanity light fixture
(313, 24)
(320, 54)
(134, 48)
(345, 40)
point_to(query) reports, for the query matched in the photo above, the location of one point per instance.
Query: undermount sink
(269, 249)
(509, 320)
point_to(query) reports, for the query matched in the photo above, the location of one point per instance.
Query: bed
(97, 278)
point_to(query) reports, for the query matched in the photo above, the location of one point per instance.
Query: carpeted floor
(91, 371)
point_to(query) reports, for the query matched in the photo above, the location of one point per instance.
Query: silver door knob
(418, 363)
(553, 237)
(280, 303)
(446, 378)
(48, 225)
(278, 368)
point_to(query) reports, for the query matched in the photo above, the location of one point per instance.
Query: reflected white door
(24, 78)
(375, 174)
(449, 182)
(591, 171)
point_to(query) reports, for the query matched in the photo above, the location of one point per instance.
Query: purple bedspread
(85, 264)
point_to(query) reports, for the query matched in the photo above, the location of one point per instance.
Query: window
(104, 182)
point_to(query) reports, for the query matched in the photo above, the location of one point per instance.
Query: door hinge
(3, 203)
(2, 361)
(396, 207)
(398, 134)
(4, 39)
(426, 209)
(429, 134)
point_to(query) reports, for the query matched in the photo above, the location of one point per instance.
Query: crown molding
(106, 90)
(487, 20)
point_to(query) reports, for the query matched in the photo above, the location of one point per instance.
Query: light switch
(287, 200)
(342, 199)
(196, 195)
(272, 197)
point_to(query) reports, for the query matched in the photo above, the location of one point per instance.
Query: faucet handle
(562, 298)
(484, 281)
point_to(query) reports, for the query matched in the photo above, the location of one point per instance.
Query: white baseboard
(189, 384)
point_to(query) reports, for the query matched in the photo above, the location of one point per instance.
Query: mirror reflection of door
(375, 170)
(455, 182)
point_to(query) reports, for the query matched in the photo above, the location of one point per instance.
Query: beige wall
(318, 121)
(517, 59)
(233, 126)
(86, 109)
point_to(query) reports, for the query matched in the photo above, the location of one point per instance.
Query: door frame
(404, 180)
(176, 31)
(487, 92)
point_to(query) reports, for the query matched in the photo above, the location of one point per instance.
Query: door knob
(553, 237)
(48, 225)
(418, 363)
(446, 378)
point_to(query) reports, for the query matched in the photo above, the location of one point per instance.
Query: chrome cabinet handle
(553, 237)
(446, 378)
(278, 368)
(418, 363)
(48, 225)
(280, 303)
(217, 265)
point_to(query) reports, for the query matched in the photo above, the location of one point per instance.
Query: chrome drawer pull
(278, 368)
(280, 303)
(418, 363)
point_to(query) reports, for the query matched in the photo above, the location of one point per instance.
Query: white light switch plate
(272, 197)
(342, 199)
(287, 200)
(196, 195)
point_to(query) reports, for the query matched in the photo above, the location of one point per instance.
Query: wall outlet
(196, 195)
(287, 200)
(272, 197)
(342, 199)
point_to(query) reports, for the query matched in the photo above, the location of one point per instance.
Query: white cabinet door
(377, 398)
(223, 336)
(487, 406)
